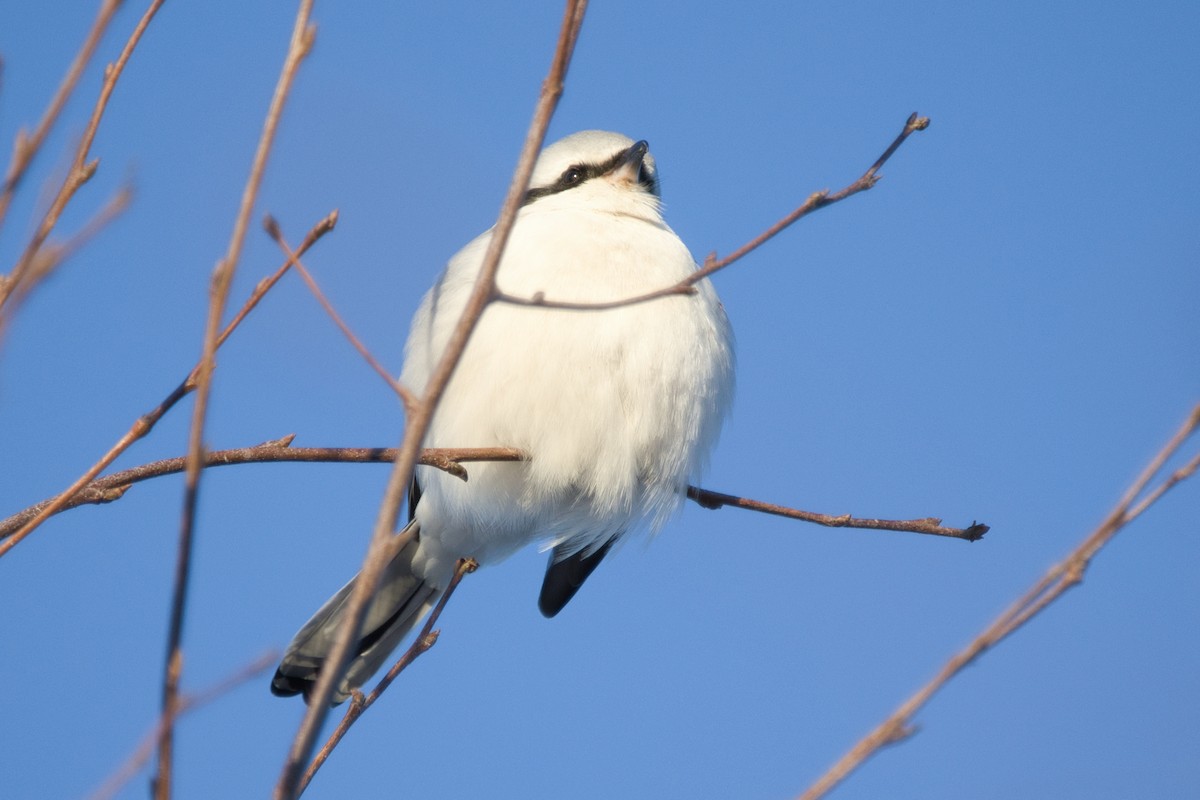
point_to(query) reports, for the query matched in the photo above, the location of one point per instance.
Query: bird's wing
(414, 497)
(401, 601)
(564, 576)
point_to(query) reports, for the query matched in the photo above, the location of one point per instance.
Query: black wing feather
(564, 576)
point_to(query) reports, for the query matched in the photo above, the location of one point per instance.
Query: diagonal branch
(52, 254)
(1049, 588)
(303, 35)
(273, 230)
(145, 423)
(81, 169)
(712, 264)
(26, 146)
(417, 422)
(426, 639)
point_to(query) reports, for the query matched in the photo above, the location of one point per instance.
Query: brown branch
(190, 702)
(303, 35)
(320, 229)
(426, 639)
(273, 230)
(1045, 591)
(712, 264)
(26, 146)
(419, 417)
(929, 525)
(52, 254)
(113, 487)
(144, 424)
(81, 169)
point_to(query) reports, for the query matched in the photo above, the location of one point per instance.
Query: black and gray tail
(400, 603)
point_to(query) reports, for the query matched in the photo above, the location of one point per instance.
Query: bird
(617, 409)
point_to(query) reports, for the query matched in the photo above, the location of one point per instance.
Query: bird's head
(604, 170)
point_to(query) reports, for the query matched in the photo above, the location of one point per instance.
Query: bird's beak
(629, 168)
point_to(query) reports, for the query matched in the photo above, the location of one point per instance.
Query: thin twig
(273, 230)
(417, 422)
(189, 702)
(1045, 591)
(81, 169)
(145, 423)
(712, 264)
(26, 146)
(52, 254)
(303, 35)
(426, 639)
(928, 525)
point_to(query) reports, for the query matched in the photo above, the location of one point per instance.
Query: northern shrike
(617, 409)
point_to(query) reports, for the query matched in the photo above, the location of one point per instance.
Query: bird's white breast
(617, 408)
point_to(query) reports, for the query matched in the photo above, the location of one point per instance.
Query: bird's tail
(400, 603)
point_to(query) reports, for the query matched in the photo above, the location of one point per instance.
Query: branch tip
(975, 531)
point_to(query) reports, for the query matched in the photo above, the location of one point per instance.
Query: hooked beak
(628, 168)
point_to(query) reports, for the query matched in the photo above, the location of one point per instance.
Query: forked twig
(1049, 588)
(52, 253)
(81, 169)
(26, 146)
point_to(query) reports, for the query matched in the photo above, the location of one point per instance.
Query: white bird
(618, 409)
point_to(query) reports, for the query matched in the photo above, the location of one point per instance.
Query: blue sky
(1003, 330)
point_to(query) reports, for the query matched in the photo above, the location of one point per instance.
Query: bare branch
(113, 487)
(303, 35)
(426, 639)
(1049, 588)
(144, 424)
(52, 254)
(81, 169)
(320, 229)
(712, 264)
(929, 525)
(816, 202)
(273, 230)
(26, 146)
(417, 422)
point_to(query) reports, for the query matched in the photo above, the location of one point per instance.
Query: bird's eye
(572, 176)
